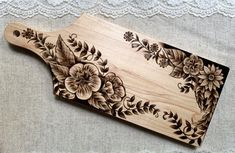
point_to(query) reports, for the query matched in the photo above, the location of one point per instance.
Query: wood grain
(128, 75)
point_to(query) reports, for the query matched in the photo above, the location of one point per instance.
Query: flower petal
(109, 76)
(186, 69)
(218, 71)
(84, 92)
(94, 83)
(195, 72)
(108, 88)
(214, 87)
(117, 82)
(218, 77)
(216, 94)
(120, 91)
(91, 69)
(117, 85)
(204, 83)
(207, 70)
(186, 60)
(221, 82)
(202, 72)
(71, 85)
(210, 85)
(213, 68)
(75, 70)
(216, 83)
(200, 64)
(202, 76)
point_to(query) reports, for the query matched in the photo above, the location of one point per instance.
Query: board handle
(19, 34)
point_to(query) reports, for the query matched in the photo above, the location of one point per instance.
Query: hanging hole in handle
(16, 33)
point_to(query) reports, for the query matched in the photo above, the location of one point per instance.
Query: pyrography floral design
(211, 77)
(203, 79)
(28, 33)
(192, 65)
(128, 36)
(83, 80)
(113, 88)
(80, 73)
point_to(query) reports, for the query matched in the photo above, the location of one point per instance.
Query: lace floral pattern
(114, 8)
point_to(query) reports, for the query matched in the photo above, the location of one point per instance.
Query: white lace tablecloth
(117, 8)
(32, 120)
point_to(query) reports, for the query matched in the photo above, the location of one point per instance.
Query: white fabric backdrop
(117, 8)
(32, 120)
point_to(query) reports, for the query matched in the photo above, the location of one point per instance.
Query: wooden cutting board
(128, 75)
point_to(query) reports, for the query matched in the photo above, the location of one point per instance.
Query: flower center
(86, 77)
(211, 77)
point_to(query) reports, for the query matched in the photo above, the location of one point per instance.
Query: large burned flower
(211, 77)
(113, 87)
(192, 65)
(83, 80)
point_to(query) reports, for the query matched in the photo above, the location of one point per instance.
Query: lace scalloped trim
(117, 8)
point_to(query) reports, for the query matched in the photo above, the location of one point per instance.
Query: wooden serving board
(128, 75)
